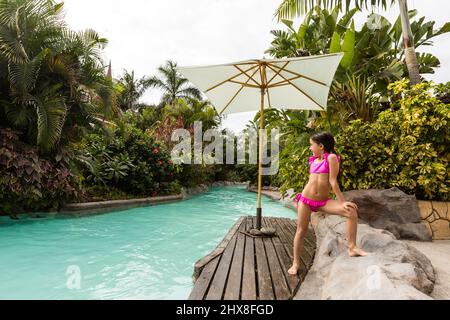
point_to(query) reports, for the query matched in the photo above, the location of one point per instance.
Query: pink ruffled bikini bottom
(313, 204)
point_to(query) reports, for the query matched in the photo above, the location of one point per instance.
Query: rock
(270, 192)
(393, 270)
(392, 210)
(414, 231)
(205, 187)
(194, 190)
(229, 183)
(289, 194)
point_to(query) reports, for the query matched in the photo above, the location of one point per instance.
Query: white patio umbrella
(291, 83)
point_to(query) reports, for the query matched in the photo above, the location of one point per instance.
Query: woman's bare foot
(356, 252)
(293, 270)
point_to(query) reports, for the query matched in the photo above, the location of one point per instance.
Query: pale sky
(143, 34)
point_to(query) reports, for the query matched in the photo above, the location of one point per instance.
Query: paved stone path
(438, 251)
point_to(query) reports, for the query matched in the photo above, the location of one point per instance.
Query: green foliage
(348, 45)
(375, 52)
(407, 146)
(196, 110)
(130, 90)
(373, 57)
(442, 91)
(351, 100)
(320, 32)
(52, 82)
(29, 182)
(172, 84)
(126, 160)
(289, 9)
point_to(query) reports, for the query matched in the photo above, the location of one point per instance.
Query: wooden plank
(285, 260)
(250, 268)
(284, 239)
(233, 285)
(306, 256)
(265, 287)
(280, 286)
(292, 229)
(289, 228)
(203, 281)
(218, 250)
(310, 237)
(249, 276)
(288, 241)
(217, 287)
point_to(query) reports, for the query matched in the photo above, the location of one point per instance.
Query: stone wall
(436, 216)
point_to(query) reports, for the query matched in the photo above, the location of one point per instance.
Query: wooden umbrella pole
(261, 128)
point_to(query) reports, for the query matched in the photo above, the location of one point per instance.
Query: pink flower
(155, 151)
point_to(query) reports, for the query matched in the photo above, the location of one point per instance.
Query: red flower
(155, 151)
(170, 161)
(159, 162)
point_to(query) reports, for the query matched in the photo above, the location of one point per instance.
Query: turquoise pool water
(140, 253)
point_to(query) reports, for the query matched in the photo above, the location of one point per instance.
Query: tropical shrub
(407, 147)
(52, 79)
(373, 57)
(126, 160)
(30, 182)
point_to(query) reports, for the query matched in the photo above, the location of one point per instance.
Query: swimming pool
(140, 253)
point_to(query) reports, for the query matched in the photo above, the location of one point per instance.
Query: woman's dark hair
(327, 140)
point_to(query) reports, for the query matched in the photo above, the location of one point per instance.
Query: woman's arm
(334, 170)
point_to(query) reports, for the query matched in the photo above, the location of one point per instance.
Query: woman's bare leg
(334, 207)
(303, 217)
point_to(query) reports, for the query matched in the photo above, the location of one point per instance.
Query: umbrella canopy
(291, 83)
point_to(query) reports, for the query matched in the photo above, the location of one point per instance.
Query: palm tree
(173, 85)
(293, 8)
(195, 111)
(131, 90)
(52, 78)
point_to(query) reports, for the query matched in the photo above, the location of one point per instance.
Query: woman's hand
(348, 205)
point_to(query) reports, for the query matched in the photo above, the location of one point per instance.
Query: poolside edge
(108, 204)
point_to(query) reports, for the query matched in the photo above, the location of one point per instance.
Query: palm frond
(19, 115)
(190, 92)
(290, 9)
(51, 113)
(23, 76)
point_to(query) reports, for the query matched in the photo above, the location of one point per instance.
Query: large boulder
(392, 270)
(392, 210)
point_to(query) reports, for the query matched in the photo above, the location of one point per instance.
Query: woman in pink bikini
(324, 169)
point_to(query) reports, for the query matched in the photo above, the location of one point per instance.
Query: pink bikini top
(321, 167)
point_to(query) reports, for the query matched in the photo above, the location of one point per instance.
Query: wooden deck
(247, 268)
